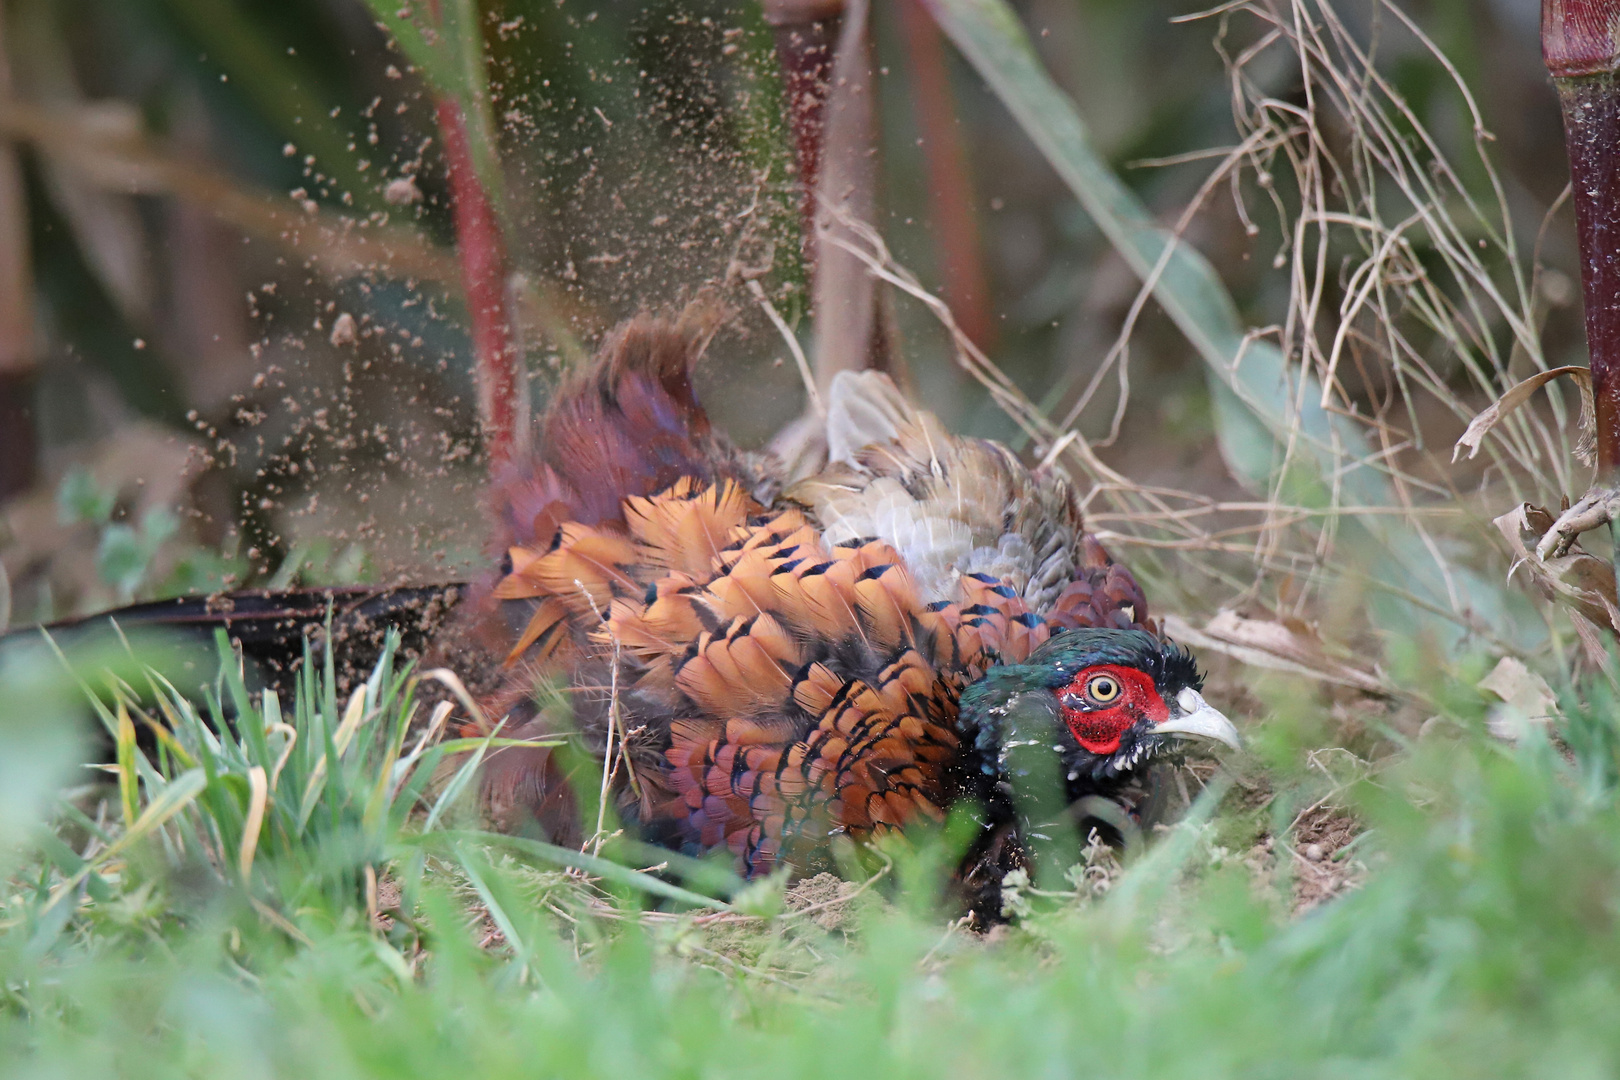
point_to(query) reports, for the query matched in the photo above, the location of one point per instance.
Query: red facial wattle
(1099, 729)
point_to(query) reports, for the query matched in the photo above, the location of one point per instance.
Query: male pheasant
(773, 663)
(779, 661)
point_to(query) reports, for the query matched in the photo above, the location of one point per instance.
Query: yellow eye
(1104, 689)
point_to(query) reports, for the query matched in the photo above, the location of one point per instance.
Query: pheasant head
(1109, 701)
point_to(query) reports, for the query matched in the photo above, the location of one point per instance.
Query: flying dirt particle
(343, 330)
(402, 191)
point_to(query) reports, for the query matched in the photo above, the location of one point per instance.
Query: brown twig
(336, 245)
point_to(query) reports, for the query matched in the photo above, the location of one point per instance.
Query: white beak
(1196, 717)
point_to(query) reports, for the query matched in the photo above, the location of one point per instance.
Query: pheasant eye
(1104, 689)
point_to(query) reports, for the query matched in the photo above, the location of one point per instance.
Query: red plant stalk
(952, 220)
(484, 269)
(1579, 45)
(806, 32)
(481, 250)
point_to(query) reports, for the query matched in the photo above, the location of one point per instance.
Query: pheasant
(765, 664)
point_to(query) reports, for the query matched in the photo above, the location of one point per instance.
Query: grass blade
(258, 797)
(606, 869)
(128, 786)
(497, 910)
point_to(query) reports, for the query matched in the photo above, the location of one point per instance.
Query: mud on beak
(1192, 715)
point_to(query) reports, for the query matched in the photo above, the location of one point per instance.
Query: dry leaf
(1526, 699)
(1581, 581)
(1521, 393)
(1579, 578)
(1270, 644)
(1520, 687)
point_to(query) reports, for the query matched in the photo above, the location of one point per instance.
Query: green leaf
(81, 498)
(175, 797)
(121, 559)
(286, 91)
(158, 524)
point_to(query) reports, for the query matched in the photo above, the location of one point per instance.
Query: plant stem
(484, 269)
(806, 31)
(18, 443)
(1583, 56)
(950, 187)
(481, 250)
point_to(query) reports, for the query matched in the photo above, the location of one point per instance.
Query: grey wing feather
(864, 408)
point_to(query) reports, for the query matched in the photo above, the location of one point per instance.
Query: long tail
(272, 625)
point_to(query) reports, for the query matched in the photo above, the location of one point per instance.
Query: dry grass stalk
(1433, 300)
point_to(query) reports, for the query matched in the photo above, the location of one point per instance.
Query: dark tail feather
(272, 625)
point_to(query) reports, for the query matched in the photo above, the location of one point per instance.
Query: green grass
(132, 943)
